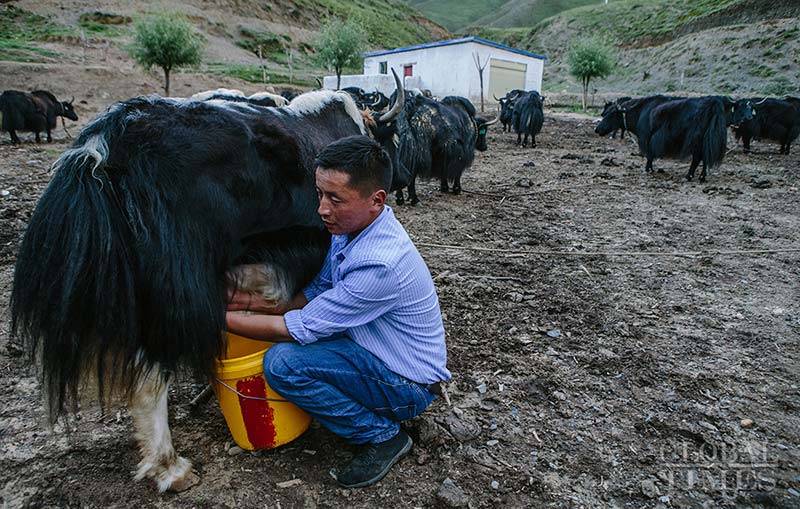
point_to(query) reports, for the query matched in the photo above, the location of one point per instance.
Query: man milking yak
(122, 274)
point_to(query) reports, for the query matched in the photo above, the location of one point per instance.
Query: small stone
(309, 452)
(462, 429)
(559, 395)
(289, 484)
(492, 442)
(664, 499)
(649, 488)
(529, 164)
(794, 492)
(515, 297)
(524, 182)
(554, 333)
(525, 339)
(235, 450)
(5, 192)
(761, 183)
(481, 388)
(746, 423)
(495, 485)
(450, 494)
(551, 352)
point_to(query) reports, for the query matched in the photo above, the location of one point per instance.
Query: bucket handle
(246, 396)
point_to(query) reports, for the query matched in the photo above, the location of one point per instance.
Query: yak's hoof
(184, 483)
(414, 201)
(400, 201)
(456, 190)
(177, 476)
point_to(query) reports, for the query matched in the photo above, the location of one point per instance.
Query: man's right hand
(247, 301)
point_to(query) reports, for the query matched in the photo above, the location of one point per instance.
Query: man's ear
(379, 198)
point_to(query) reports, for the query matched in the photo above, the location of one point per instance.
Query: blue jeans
(346, 388)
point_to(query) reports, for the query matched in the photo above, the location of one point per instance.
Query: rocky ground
(657, 372)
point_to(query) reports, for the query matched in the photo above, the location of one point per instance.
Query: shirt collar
(342, 243)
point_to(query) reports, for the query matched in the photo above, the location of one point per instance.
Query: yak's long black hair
(123, 263)
(685, 127)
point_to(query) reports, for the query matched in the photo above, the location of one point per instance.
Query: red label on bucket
(256, 413)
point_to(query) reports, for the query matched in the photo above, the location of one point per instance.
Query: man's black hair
(363, 159)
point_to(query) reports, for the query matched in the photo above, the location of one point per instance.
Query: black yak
(773, 119)
(438, 139)
(528, 117)
(122, 272)
(34, 112)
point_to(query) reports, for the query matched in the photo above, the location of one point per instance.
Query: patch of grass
(16, 51)
(269, 43)
(20, 25)
(253, 74)
(780, 86)
(105, 24)
(762, 71)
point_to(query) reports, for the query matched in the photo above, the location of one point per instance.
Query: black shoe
(374, 462)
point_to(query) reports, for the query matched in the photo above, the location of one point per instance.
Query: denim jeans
(346, 388)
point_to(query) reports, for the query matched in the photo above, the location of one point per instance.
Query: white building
(448, 68)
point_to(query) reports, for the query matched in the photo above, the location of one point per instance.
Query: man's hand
(248, 301)
(263, 327)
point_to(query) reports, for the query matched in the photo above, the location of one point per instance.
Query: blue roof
(455, 41)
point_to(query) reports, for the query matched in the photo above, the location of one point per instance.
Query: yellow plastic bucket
(256, 415)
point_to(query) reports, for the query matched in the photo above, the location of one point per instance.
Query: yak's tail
(107, 281)
(715, 136)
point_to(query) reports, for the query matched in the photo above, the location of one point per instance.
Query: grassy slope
(459, 15)
(28, 37)
(720, 46)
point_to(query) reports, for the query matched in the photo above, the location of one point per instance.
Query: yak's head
(67, 110)
(738, 112)
(483, 125)
(613, 119)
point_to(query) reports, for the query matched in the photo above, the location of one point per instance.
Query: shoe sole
(383, 472)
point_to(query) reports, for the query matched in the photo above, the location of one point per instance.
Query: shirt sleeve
(322, 282)
(365, 292)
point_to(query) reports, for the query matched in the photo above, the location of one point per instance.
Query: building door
(408, 70)
(505, 76)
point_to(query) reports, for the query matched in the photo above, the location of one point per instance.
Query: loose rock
(649, 488)
(450, 494)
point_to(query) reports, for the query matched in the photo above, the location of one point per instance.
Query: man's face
(343, 209)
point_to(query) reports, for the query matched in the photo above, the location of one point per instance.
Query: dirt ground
(628, 379)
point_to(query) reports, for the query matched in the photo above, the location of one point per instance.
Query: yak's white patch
(202, 96)
(279, 99)
(160, 462)
(94, 148)
(233, 105)
(313, 102)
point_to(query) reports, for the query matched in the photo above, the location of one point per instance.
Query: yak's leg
(14, 137)
(746, 143)
(412, 190)
(49, 136)
(38, 140)
(148, 407)
(648, 167)
(398, 197)
(533, 140)
(443, 187)
(703, 173)
(622, 134)
(457, 185)
(519, 138)
(695, 161)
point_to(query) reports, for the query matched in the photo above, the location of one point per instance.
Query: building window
(408, 70)
(383, 68)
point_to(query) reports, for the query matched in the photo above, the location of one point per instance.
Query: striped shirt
(377, 290)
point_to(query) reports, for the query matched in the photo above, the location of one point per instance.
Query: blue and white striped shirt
(377, 290)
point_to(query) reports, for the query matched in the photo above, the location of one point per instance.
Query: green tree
(589, 59)
(339, 45)
(167, 41)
